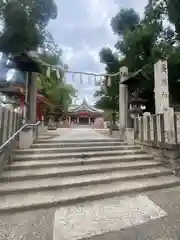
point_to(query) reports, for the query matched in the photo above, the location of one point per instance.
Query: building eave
(84, 106)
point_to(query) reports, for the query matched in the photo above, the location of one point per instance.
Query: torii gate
(161, 92)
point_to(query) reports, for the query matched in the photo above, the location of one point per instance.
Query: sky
(81, 29)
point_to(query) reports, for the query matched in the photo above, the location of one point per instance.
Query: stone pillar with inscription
(161, 88)
(161, 91)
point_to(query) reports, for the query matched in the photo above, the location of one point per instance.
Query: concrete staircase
(64, 172)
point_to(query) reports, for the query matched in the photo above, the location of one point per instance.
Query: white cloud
(82, 29)
(68, 53)
(99, 11)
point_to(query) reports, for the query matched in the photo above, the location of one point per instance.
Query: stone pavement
(42, 224)
(164, 228)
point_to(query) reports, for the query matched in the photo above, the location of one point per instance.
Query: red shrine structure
(12, 82)
(18, 92)
(84, 113)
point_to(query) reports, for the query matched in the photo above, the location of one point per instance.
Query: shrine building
(84, 113)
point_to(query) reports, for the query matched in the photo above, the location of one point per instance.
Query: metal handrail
(5, 144)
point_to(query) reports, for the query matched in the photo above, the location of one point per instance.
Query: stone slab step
(75, 170)
(77, 161)
(52, 198)
(46, 137)
(47, 132)
(76, 144)
(75, 149)
(81, 140)
(83, 155)
(79, 181)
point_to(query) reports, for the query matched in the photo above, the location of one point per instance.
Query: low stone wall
(63, 124)
(129, 135)
(42, 129)
(104, 132)
(168, 154)
(55, 125)
(159, 135)
(10, 122)
(26, 138)
(115, 134)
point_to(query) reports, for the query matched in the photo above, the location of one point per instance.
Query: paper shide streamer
(99, 79)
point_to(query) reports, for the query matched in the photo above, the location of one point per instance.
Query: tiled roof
(84, 106)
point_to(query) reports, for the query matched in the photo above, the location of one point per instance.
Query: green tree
(173, 9)
(142, 42)
(107, 95)
(24, 23)
(126, 19)
(56, 89)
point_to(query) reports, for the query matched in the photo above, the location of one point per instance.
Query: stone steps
(76, 149)
(57, 182)
(11, 175)
(72, 195)
(86, 154)
(89, 144)
(47, 136)
(79, 140)
(24, 164)
(65, 172)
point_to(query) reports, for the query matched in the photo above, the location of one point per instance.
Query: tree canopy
(56, 89)
(141, 43)
(34, 14)
(24, 28)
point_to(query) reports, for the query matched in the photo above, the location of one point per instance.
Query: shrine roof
(18, 90)
(84, 106)
(27, 62)
(41, 98)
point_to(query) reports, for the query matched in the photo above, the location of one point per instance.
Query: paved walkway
(43, 224)
(78, 133)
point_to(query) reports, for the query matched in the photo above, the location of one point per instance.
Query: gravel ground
(35, 225)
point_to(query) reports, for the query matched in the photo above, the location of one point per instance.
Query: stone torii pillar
(123, 101)
(27, 63)
(32, 97)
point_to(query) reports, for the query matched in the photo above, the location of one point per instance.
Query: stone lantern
(136, 107)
